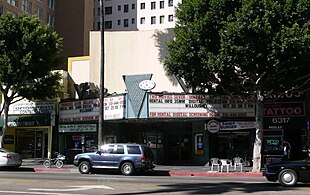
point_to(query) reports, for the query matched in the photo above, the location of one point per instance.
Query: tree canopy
(28, 54)
(253, 47)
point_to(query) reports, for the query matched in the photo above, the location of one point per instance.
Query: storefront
(30, 129)
(78, 124)
(284, 119)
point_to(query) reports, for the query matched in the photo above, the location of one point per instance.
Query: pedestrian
(286, 150)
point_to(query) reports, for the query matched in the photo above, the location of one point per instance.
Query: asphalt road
(21, 182)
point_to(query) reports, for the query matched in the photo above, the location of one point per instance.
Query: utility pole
(102, 91)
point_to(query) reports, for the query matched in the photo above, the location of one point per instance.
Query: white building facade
(131, 15)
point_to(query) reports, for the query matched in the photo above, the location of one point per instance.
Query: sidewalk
(193, 171)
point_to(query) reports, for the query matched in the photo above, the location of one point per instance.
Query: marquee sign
(88, 110)
(199, 106)
(28, 107)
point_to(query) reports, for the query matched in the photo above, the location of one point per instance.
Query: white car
(9, 158)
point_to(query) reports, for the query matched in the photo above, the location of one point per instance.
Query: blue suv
(125, 157)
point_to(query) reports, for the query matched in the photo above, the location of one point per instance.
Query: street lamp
(101, 97)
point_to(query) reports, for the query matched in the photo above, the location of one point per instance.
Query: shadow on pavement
(136, 173)
(20, 169)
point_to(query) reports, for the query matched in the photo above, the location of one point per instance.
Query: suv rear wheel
(127, 168)
(84, 167)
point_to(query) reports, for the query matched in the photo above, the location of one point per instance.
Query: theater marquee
(199, 106)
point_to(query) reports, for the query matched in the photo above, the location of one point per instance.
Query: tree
(250, 47)
(28, 54)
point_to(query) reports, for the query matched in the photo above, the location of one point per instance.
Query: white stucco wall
(131, 53)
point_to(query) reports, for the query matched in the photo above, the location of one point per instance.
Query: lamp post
(101, 97)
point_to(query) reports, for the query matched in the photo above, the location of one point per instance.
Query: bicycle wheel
(47, 164)
(59, 164)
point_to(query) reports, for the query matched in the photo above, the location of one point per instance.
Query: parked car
(288, 173)
(125, 157)
(9, 158)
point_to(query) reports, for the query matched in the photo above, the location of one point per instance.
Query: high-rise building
(134, 15)
(71, 19)
(42, 9)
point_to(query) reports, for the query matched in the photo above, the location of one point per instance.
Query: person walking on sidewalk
(286, 150)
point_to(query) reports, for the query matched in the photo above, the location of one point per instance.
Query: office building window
(27, 6)
(107, 24)
(50, 20)
(108, 10)
(153, 5)
(142, 20)
(13, 2)
(170, 18)
(142, 6)
(170, 3)
(51, 4)
(133, 20)
(153, 20)
(98, 25)
(125, 22)
(162, 4)
(161, 19)
(119, 8)
(133, 6)
(39, 13)
(118, 22)
(126, 8)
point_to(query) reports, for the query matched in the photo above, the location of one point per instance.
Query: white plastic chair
(225, 163)
(238, 162)
(215, 162)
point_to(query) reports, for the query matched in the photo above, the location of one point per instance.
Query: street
(27, 182)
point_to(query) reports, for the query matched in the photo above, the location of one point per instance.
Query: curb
(51, 170)
(170, 173)
(206, 174)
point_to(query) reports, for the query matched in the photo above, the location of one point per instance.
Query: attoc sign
(213, 126)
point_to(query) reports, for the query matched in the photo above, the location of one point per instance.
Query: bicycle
(58, 161)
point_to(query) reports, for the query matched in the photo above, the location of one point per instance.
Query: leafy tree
(251, 47)
(28, 54)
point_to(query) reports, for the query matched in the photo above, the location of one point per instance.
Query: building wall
(74, 20)
(131, 53)
(136, 13)
(33, 5)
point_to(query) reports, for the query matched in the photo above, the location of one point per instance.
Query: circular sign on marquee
(147, 85)
(213, 126)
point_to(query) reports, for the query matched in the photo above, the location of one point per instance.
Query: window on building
(161, 19)
(13, 2)
(39, 13)
(51, 4)
(142, 6)
(170, 3)
(125, 22)
(118, 22)
(170, 18)
(133, 21)
(153, 20)
(126, 8)
(50, 20)
(108, 10)
(107, 24)
(27, 6)
(119, 8)
(142, 20)
(1, 10)
(162, 4)
(153, 5)
(99, 25)
(133, 6)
